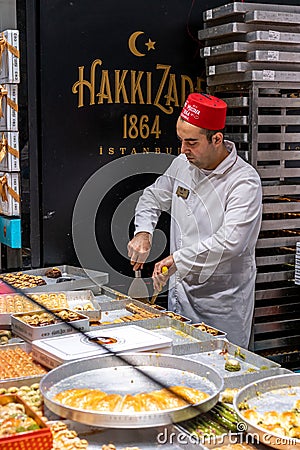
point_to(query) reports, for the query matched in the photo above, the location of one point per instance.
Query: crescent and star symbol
(132, 44)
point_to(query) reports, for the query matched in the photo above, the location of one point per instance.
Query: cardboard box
(9, 194)
(10, 58)
(8, 107)
(10, 232)
(9, 152)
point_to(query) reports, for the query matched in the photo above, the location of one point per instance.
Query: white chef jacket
(212, 238)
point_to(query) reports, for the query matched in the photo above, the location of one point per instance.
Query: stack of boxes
(252, 59)
(10, 223)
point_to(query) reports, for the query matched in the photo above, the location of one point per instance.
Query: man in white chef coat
(215, 201)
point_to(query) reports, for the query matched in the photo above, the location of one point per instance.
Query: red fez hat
(204, 111)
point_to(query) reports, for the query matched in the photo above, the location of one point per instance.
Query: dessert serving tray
(131, 373)
(277, 394)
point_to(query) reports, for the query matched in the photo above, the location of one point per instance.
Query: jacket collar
(225, 165)
(229, 161)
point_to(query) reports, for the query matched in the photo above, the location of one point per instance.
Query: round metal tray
(115, 375)
(276, 393)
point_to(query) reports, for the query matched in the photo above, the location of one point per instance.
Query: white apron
(213, 235)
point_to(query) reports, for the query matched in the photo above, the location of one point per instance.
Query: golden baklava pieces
(23, 280)
(15, 363)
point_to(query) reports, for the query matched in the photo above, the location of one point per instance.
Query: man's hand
(159, 278)
(138, 249)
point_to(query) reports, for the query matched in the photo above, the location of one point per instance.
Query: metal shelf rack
(248, 52)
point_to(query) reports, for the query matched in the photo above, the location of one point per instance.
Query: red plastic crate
(40, 439)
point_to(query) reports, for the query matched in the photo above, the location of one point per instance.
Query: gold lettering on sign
(77, 87)
(121, 151)
(120, 86)
(134, 87)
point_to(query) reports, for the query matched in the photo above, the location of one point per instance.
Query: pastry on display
(64, 438)
(235, 447)
(207, 329)
(30, 394)
(23, 280)
(228, 395)
(5, 336)
(176, 316)
(285, 423)
(14, 419)
(232, 365)
(96, 400)
(21, 428)
(14, 303)
(42, 319)
(111, 446)
(138, 313)
(85, 307)
(16, 363)
(53, 273)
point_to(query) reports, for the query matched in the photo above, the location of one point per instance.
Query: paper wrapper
(9, 152)
(8, 107)
(9, 194)
(9, 57)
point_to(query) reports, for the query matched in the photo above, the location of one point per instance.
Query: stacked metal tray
(239, 9)
(264, 41)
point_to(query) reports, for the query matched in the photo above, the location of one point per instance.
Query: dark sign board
(113, 78)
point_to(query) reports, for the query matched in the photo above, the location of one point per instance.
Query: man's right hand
(138, 249)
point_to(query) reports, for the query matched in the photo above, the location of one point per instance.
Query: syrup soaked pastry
(285, 423)
(96, 400)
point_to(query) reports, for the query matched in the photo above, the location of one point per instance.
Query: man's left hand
(159, 279)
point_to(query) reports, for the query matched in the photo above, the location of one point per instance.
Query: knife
(164, 271)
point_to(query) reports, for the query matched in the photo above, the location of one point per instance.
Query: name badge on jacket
(182, 192)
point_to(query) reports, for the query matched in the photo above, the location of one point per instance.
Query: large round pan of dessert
(131, 390)
(269, 410)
